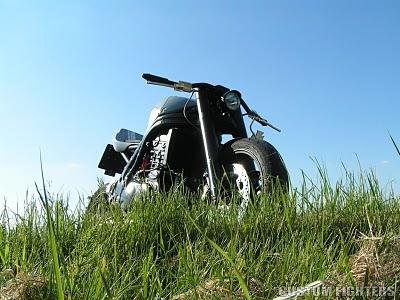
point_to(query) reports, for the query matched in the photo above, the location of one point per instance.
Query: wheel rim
(245, 176)
(253, 169)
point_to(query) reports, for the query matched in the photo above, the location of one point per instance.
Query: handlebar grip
(157, 79)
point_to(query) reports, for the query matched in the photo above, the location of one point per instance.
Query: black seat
(125, 139)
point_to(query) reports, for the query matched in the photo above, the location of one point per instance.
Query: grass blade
(51, 236)
(106, 286)
(225, 255)
(394, 143)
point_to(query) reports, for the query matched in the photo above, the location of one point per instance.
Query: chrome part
(243, 185)
(161, 84)
(183, 86)
(232, 100)
(132, 190)
(206, 190)
(118, 192)
(125, 157)
(210, 167)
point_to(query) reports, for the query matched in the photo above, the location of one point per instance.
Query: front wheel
(254, 166)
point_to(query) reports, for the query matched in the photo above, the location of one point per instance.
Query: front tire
(263, 165)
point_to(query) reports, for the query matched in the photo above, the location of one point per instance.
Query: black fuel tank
(171, 105)
(174, 104)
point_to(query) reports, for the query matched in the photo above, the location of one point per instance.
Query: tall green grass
(172, 244)
(52, 224)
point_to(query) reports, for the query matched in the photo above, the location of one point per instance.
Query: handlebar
(181, 86)
(189, 87)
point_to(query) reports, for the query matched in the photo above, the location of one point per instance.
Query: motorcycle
(183, 144)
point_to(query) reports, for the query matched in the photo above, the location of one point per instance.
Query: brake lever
(262, 121)
(273, 127)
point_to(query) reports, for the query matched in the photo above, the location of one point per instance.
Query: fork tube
(210, 140)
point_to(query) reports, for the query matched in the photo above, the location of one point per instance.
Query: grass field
(343, 234)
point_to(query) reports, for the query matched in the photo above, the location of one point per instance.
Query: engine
(168, 158)
(154, 173)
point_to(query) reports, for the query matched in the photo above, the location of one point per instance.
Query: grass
(394, 144)
(174, 246)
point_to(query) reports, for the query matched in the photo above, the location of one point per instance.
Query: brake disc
(242, 182)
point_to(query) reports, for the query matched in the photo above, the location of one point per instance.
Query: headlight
(232, 100)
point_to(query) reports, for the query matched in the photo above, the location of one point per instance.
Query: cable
(184, 112)
(251, 126)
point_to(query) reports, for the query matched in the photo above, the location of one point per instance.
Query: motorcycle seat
(126, 139)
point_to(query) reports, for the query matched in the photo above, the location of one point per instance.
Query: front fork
(210, 140)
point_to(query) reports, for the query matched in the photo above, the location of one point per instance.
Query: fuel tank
(171, 105)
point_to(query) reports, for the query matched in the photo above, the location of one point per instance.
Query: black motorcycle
(183, 144)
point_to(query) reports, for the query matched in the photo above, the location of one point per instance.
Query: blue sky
(326, 72)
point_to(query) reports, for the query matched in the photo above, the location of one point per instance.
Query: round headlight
(232, 100)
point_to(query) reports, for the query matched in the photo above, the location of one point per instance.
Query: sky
(326, 72)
